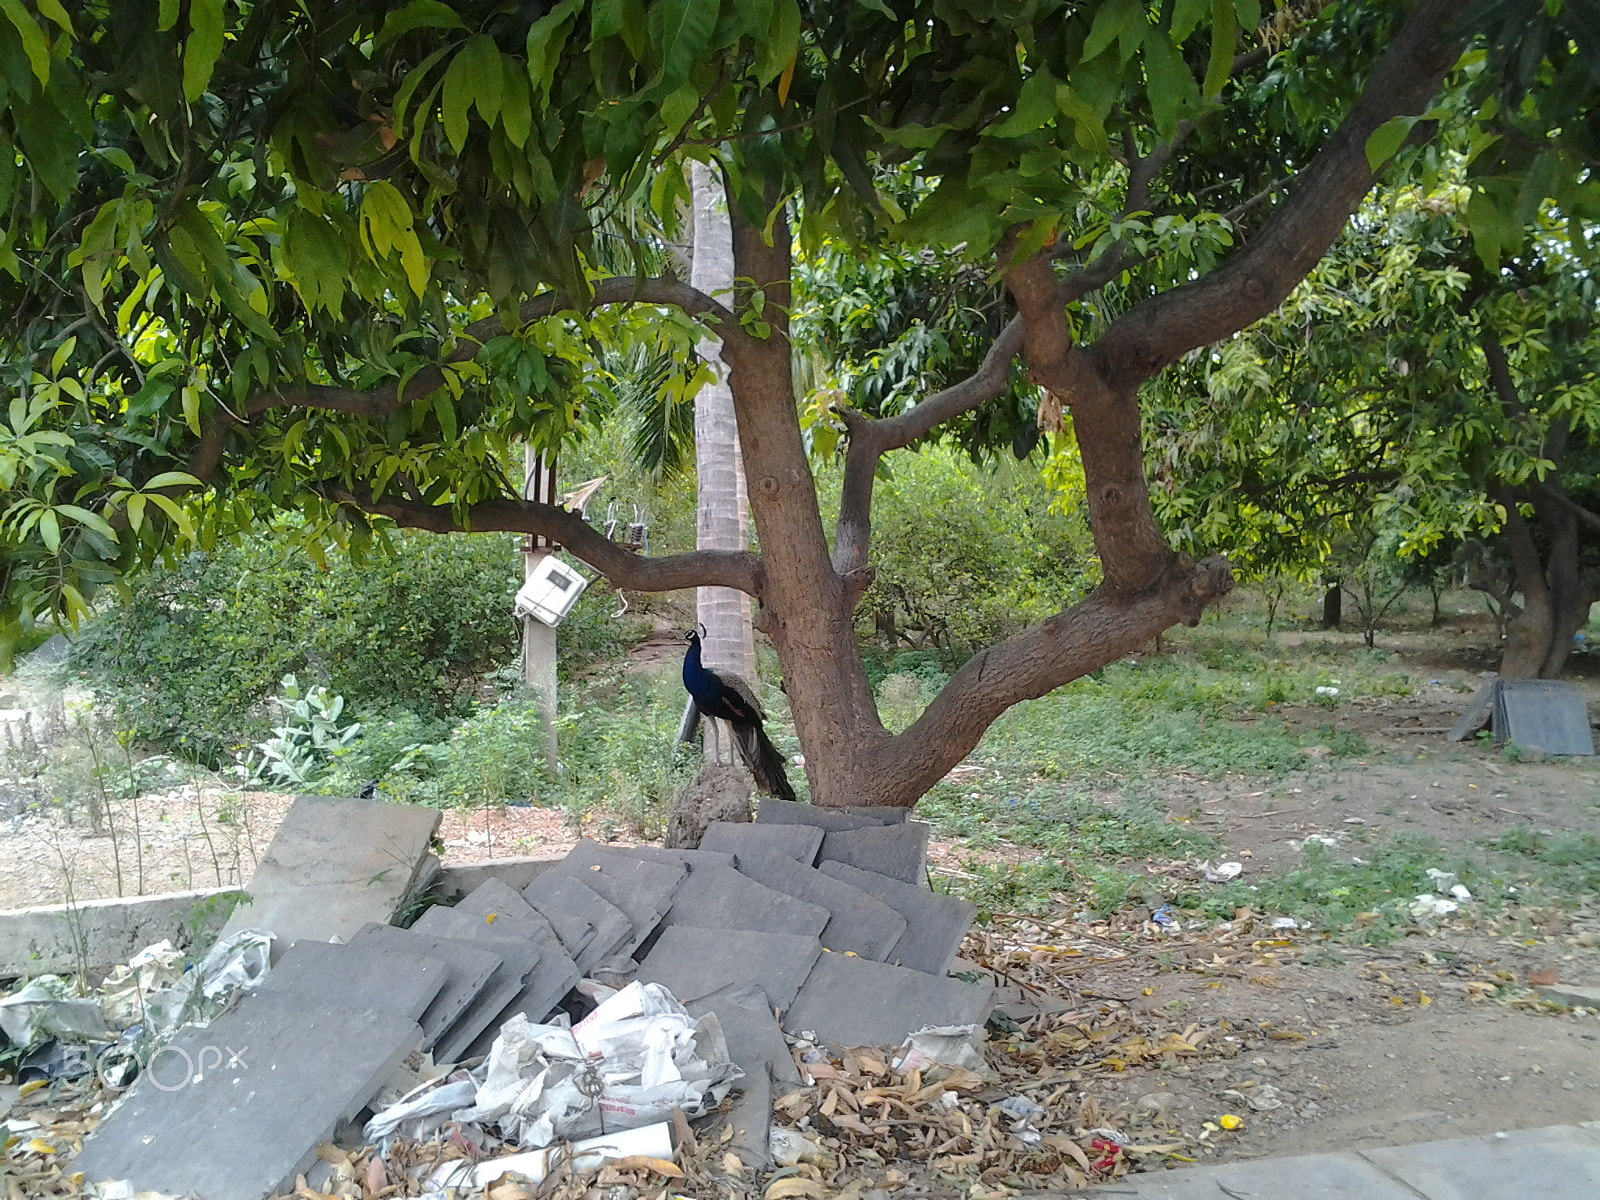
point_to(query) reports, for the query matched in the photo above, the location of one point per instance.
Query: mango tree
(340, 256)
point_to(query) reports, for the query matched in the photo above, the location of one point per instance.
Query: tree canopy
(339, 255)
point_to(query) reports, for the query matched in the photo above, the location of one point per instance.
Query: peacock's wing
(740, 699)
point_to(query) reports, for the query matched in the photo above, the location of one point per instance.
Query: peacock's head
(693, 636)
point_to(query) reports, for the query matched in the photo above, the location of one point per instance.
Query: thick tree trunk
(723, 509)
(1333, 606)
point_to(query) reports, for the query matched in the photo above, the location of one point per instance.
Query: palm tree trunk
(723, 521)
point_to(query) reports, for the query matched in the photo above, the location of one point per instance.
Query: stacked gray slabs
(722, 898)
(898, 851)
(519, 962)
(590, 927)
(799, 842)
(642, 890)
(853, 1002)
(692, 962)
(858, 921)
(235, 1111)
(791, 812)
(935, 924)
(332, 976)
(469, 970)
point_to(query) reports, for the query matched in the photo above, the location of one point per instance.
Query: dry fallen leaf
(781, 1189)
(643, 1162)
(1544, 977)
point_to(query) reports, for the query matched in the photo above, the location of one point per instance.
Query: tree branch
(712, 568)
(1102, 628)
(871, 439)
(1255, 280)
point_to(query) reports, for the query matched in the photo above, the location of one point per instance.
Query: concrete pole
(539, 639)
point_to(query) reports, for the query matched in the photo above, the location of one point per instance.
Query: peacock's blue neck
(697, 681)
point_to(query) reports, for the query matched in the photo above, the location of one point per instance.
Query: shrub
(996, 559)
(190, 657)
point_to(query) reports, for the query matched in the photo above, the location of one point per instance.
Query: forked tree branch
(716, 568)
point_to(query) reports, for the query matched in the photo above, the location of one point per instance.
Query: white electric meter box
(550, 592)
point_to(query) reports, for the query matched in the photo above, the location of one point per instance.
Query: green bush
(967, 554)
(190, 657)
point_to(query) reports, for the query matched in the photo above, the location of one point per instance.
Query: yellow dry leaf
(643, 1162)
(30, 1088)
(1424, 999)
(40, 1146)
(1229, 1121)
(781, 1189)
(1148, 992)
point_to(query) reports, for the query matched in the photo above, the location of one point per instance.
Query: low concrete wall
(456, 880)
(95, 935)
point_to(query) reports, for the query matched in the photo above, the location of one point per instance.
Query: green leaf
(191, 409)
(446, 412)
(473, 78)
(136, 504)
(34, 44)
(1089, 129)
(1172, 90)
(1111, 22)
(50, 530)
(52, 9)
(203, 47)
(679, 33)
(93, 520)
(419, 14)
(168, 15)
(547, 37)
(781, 44)
(1386, 140)
(171, 479)
(1186, 15)
(1036, 104)
(1224, 38)
(387, 225)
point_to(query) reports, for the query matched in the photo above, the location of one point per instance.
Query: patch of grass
(1371, 898)
(1063, 824)
(1565, 863)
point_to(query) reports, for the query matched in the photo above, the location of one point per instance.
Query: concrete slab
(1556, 1162)
(518, 962)
(460, 879)
(687, 858)
(547, 976)
(750, 1116)
(799, 842)
(1309, 1177)
(854, 1002)
(236, 1110)
(898, 851)
(1571, 994)
(857, 921)
(95, 935)
(721, 898)
(335, 865)
(642, 890)
(790, 812)
(469, 968)
(693, 962)
(935, 923)
(508, 914)
(755, 1042)
(325, 975)
(589, 926)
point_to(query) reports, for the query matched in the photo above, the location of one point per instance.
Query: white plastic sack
(951, 1045)
(46, 1008)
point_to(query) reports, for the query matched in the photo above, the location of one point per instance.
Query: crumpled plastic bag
(46, 1008)
(236, 963)
(628, 1064)
(1428, 905)
(410, 1116)
(951, 1045)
